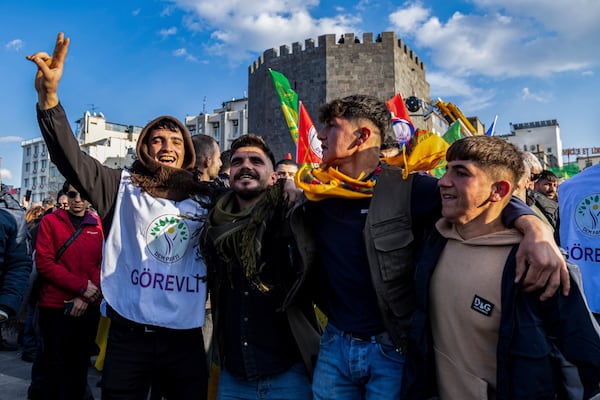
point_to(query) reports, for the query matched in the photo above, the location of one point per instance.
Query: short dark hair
(491, 153)
(548, 175)
(359, 106)
(164, 123)
(285, 161)
(65, 188)
(252, 140)
(204, 146)
(225, 160)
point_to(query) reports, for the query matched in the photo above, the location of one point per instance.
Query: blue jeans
(292, 384)
(354, 369)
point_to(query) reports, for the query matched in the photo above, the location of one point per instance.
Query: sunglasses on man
(72, 194)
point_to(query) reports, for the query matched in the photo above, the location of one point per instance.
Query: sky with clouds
(523, 60)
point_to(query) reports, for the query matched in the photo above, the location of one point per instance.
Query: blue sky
(524, 60)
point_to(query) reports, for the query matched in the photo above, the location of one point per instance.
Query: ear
(364, 135)
(500, 190)
(273, 178)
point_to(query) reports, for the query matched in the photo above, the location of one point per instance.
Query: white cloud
(240, 29)
(570, 18)
(444, 85)
(167, 11)
(5, 173)
(16, 45)
(136, 12)
(526, 94)
(522, 38)
(165, 33)
(408, 18)
(182, 52)
(11, 139)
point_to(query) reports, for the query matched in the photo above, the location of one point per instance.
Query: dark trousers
(31, 334)
(139, 357)
(67, 344)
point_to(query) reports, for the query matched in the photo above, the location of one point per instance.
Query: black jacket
(15, 253)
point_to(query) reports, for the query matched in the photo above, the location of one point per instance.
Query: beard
(249, 194)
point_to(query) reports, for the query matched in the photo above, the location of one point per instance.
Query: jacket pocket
(393, 243)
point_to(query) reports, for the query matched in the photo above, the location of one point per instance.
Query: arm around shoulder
(540, 259)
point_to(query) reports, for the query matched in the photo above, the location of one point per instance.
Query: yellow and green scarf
(326, 182)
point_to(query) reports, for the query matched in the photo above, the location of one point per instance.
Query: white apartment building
(224, 124)
(110, 143)
(542, 138)
(38, 174)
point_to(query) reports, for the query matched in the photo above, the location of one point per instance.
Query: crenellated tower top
(331, 41)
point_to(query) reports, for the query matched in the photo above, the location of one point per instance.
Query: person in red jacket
(69, 297)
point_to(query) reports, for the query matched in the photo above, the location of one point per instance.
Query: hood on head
(189, 159)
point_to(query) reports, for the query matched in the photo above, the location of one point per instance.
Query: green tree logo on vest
(587, 215)
(168, 238)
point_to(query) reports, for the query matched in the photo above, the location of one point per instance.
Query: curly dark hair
(359, 106)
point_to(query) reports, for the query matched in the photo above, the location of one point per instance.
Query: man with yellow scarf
(366, 225)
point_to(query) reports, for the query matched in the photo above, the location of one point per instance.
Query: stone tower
(329, 70)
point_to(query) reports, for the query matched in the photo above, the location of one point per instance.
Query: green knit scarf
(241, 233)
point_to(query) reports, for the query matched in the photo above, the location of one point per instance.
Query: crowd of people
(233, 276)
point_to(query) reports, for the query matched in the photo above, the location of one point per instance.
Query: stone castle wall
(327, 70)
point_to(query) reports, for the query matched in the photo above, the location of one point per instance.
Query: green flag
(289, 102)
(566, 171)
(453, 133)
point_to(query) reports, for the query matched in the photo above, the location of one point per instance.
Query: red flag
(401, 123)
(308, 149)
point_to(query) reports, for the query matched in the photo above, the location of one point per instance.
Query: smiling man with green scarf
(252, 265)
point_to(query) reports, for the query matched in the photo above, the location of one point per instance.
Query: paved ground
(15, 373)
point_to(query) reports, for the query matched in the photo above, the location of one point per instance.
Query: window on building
(42, 180)
(549, 150)
(28, 151)
(216, 131)
(532, 147)
(35, 167)
(35, 152)
(236, 129)
(43, 164)
(524, 147)
(26, 182)
(33, 181)
(26, 167)
(43, 149)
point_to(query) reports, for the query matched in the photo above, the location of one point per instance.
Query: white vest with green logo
(152, 271)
